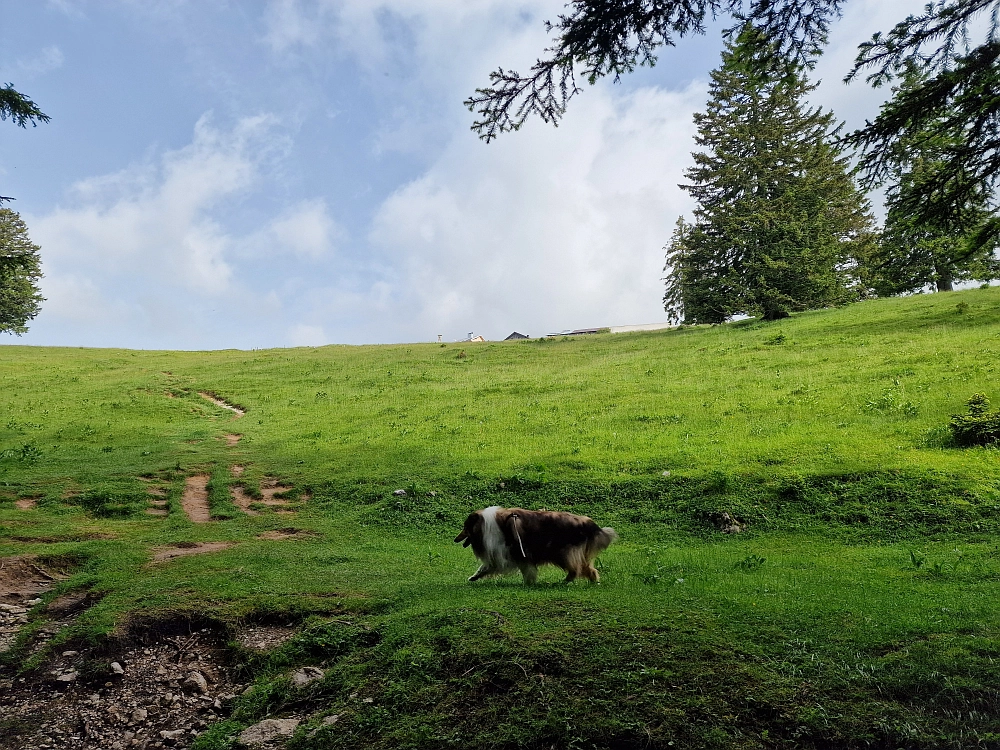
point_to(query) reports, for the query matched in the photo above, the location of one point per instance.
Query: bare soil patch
(22, 582)
(158, 512)
(242, 500)
(237, 471)
(164, 692)
(238, 411)
(23, 578)
(183, 549)
(272, 495)
(264, 637)
(195, 499)
(232, 440)
(25, 503)
(288, 533)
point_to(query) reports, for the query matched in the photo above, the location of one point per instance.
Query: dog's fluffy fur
(510, 539)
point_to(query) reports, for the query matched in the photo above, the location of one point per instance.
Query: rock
(170, 736)
(68, 676)
(117, 668)
(69, 654)
(197, 680)
(399, 493)
(328, 720)
(666, 473)
(267, 730)
(302, 677)
(140, 715)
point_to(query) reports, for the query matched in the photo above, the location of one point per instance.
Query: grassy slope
(815, 627)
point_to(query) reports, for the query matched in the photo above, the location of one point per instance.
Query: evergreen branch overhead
(608, 38)
(19, 108)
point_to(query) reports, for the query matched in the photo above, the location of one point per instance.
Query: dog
(510, 539)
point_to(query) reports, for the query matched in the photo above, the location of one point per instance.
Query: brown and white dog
(509, 539)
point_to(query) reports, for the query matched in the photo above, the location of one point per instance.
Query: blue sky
(224, 174)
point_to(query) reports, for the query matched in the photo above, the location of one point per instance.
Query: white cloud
(305, 230)
(306, 335)
(544, 230)
(154, 219)
(48, 59)
(143, 255)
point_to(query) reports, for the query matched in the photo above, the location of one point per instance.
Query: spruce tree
(780, 224)
(921, 248)
(20, 270)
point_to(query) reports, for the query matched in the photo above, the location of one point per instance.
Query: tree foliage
(599, 38)
(779, 224)
(20, 270)
(916, 249)
(21, 110)
(956, 102)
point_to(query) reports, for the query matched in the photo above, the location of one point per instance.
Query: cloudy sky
(227, 173)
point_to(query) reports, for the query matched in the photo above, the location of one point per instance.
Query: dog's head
(473, 529)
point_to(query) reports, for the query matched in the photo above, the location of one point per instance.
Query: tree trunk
(775, 313)
(944, 280)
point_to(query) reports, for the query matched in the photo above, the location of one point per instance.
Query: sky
(237, 174)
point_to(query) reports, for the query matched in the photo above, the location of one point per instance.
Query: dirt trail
(271, 490)
(243, 501)
(25, 503)
(232, 440)
(223, 404)
(158, 501)
(278, 535)
(183, 549)
(195, 499)
(22, 581)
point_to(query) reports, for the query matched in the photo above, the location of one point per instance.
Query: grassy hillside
(857, 608)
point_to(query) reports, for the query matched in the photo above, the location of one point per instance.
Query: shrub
(979, 426)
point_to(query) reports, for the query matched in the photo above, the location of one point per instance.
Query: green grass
(858, 608)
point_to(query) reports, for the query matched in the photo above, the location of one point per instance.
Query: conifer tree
(20, 270)
(921, 248)
(780, 224)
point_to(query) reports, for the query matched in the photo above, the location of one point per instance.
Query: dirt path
(25, 503)
(223, 404)
(272, 495)
(242, 500)
(195, 499)
(183, 549)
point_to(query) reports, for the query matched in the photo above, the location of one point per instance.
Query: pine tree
(917, 248)
(779, 224)
(20, 271)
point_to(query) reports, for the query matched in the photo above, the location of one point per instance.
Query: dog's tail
(600, 542)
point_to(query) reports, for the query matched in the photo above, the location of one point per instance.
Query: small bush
(979, 426)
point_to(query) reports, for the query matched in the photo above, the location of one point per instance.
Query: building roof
(516, 335)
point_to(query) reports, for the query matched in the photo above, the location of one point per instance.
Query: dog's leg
(571, 575)
(529, 572)
(591, 573)
(484, 570)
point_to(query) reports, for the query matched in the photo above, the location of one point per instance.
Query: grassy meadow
(859, 606)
